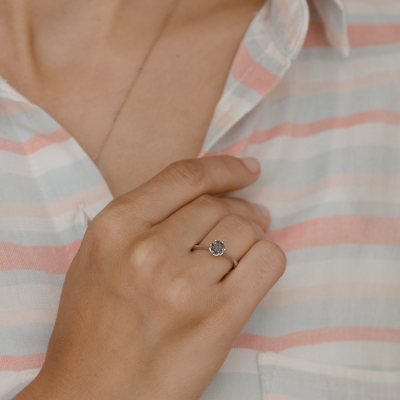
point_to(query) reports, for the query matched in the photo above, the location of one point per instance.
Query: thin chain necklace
(135, 78)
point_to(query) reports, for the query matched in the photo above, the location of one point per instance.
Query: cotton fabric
(314, 95)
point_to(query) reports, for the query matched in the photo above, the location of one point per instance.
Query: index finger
(183, 181)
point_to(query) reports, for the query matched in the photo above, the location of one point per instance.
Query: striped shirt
(314, 94)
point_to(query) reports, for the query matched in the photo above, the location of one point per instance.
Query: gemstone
(217, 248)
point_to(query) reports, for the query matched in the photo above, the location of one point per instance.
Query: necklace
(135, 78)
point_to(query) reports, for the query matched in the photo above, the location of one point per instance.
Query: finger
(201, 215)
(258, 270)
(183, 181)
(238, 234)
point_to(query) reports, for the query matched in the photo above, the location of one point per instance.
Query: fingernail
(264, 211)
(251, 164)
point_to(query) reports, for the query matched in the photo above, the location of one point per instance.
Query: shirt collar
(274, 38)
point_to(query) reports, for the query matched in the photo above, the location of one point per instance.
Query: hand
(141, 316)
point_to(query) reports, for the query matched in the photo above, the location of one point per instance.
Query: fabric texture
(313, 94)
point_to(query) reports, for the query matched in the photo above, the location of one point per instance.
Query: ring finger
(191, 223)
(238, 235)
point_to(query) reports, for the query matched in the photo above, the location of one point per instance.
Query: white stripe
(49, 158)
(28, 297)
(234, 105)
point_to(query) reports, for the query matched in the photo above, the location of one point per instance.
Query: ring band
(217, 248)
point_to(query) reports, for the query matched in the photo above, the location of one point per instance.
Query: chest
(165, 119)
(168, 112)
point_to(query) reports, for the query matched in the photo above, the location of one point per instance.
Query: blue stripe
(57, 184)
(234, 386)
(24, 339)
(373, 19)
(325, 313)
(26, 276)
(25, 125)
(328, 105)
(329, 54)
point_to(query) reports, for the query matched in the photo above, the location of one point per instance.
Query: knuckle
(211, 202)
(273, 256)
(106, 227)
(110, 215)
(260, 231)
(238, 223)
(245, 203)
(148, 254)
(188, 172)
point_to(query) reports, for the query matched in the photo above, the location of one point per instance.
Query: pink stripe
(251, 73)
(317, 336)
(35, 143)
(313, 128)
(316, 36)
(335, 230)
(55, 260)
(359, 35)
(21, 363)
(373, 35)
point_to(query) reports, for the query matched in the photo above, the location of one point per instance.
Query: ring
(217, 248)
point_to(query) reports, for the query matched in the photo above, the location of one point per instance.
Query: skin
(80, 75)
(141, 316)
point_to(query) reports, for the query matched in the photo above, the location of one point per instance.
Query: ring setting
(217, 248)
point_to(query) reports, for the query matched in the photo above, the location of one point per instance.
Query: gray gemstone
(217, 248)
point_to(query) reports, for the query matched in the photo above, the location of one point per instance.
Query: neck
(40, 30)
